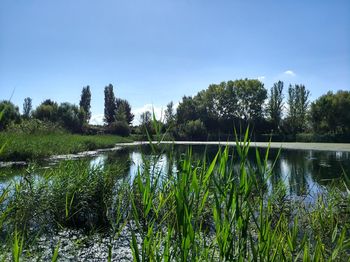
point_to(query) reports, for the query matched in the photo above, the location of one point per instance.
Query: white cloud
(96, 119)
(158, 111)
(261, 78)
(289, 73)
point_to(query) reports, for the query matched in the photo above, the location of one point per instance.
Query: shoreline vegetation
(39, 147)
(210, 115)
(32, 147)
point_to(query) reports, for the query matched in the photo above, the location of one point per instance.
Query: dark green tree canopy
(123, 112)
(251, 96)
(71, 116)
(187, 110)
(27, 107)
(85, 102)
(146, 118)
(331, 113)
(275, 104)
(221, 105)
(9, 114)
(47, 111)
(298, 103)
(169, 114)
(110, 106)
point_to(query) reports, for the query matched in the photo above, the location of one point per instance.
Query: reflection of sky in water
(302, 172)
(157, 165)
(98, 161)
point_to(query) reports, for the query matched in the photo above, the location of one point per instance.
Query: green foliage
(222, 106)
(120, 128)
(123, 112)
(169, 115)
(36, 126)
(47, 111)
(22, 146)
(298, 103)
(27, 107)
(193, 130)
(71, 116)
(331, 113)
(110, 106)
(186, 111)
(275, 105)
(251, 96)
(9, 114)
(85, 102)
(147, 124)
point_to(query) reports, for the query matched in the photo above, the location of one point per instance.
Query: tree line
(210, 114)
(75, 118)
(220, 108)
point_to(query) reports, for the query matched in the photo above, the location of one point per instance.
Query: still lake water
(305, 173)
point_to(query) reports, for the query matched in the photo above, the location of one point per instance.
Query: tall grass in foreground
(204, 211)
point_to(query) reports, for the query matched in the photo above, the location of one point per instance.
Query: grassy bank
(20, 146)
(207, 211)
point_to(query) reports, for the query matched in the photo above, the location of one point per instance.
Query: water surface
(304, 173)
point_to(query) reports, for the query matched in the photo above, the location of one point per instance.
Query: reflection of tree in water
(329, 165)
(292, 165)
(298, 170)
(119, 162)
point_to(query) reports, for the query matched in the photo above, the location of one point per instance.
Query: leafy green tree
(146, 123)
(110, 106)
(146, 118)
(85, 102)
(187, 110)
(71, 116)
(47, 111)
(123, 112)
(27, 107)
(275, 104)
(193, 130)
(120, 128)
(331, 113)
(298, 103)
(251, 96)
(10, 114)
(120, 115)
(169, 114)
(217, 106)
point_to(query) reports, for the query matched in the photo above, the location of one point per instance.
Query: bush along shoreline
(220, 210)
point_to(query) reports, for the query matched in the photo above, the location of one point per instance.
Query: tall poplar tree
(110, 106)
(298, 103)
(275, 104)
(27, 107)
(85, 102)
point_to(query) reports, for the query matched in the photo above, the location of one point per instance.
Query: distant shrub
(120, 128)
(323, 138)
(192, 130)
(10, 114)
(47, 111)
(71, 116)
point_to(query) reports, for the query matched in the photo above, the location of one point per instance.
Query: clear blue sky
(156, 51)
